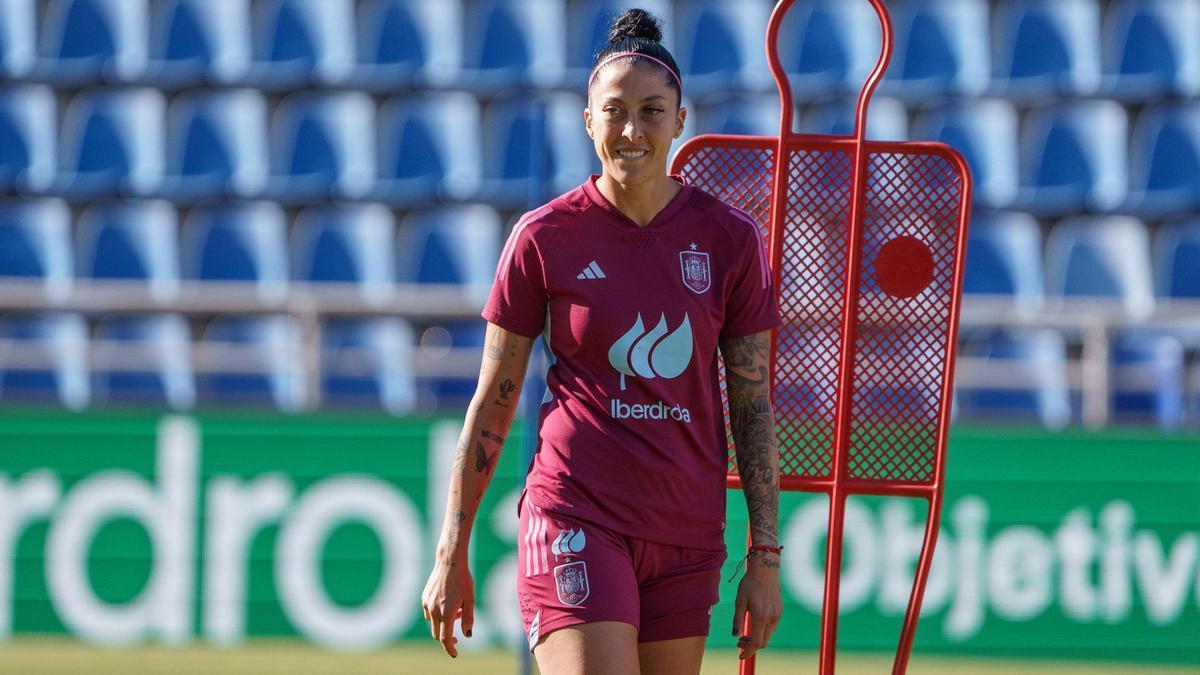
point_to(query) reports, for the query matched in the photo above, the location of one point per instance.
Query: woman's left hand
(759, 604)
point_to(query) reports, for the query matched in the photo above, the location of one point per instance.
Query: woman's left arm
(747, 378)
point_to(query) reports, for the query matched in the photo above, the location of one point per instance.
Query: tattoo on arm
(493, 351)
(753, 426)
(483, 462)
(492, 436)
(506, 387)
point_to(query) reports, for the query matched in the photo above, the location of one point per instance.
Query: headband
(621, 55)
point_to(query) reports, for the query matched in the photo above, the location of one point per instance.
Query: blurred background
(243, 244)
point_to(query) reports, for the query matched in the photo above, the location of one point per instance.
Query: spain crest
(694, 267)
(572, 583)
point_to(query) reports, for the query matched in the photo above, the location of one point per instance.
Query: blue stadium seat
(143, 360)
(322, 146)
(1148, 375)
(1151, 50)
(409, 43)
(302, 42)
(1193, 396)
(429, 148)
(368, 363)
(534, 148)
(1025, 379)
(244, 241)
(1166, 160)
(513, 43)
(131, 240)
(1047, 49)
(113, 142)
(44, 360)
(1177, 259)
(941, 49)
(35, 243)
(720, 45)
(217, 145)
(828, 45)
(748, 114)
(92, 41)
(196, 42)
(887, 119)
(587, 32)
(1074, 158)
(985, 131)
(350, 244)
(1100, 258)
(1004, 257)
(18, 38)
(28, 138)
(254, 361)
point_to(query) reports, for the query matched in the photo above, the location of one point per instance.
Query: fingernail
(468, 632)
(735, 631)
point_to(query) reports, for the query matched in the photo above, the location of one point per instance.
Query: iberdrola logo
(655, 353)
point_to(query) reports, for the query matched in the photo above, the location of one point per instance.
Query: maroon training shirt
(631, 435)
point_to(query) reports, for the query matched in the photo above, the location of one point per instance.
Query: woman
(634, 280)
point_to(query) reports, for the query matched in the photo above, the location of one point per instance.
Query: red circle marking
(904, 267)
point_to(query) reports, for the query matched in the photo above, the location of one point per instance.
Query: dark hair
(638, 31)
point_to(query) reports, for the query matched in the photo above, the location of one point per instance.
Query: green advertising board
(123, 528)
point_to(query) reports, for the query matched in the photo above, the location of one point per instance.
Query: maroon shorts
(571, 572)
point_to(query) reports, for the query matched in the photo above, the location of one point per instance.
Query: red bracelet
(766, 549)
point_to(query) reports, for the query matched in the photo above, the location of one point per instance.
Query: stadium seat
(217, 145)
(1097, 258)
(1166, 160)
(1177, 259)
(1004, 258)
(1047, 49)
(429, 148)
(197, 42)
(1026, 379)
(113, 142)
(35, 243)
(244, 241)
(131, 240)
(323, 146)
(887, 119)
(1151, 50)
(93, 41)
(44, 359)
(253, 361)
(534, 147)
(18, 38)
(513, 43)
(143, 360)
(409, 43)
(587, 32)
(368, 364)
(1148, 379)
(349, 244)
(941, 49)
(720, 45)
(985, 131)
(28, 138)
(302, 42)
(828, 45)
(749, 114)
(1074, 158)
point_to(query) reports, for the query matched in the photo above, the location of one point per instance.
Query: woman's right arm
(449, 593)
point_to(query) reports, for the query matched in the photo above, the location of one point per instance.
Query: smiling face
(633, 116)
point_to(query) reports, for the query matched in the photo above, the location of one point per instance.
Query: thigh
(600, 648)
(681, 656)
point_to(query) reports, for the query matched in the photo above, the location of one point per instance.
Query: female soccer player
(634, 281)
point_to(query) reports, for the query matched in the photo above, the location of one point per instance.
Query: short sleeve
(751, 306)
(518, 298)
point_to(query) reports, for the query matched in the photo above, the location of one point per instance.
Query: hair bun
(635, 23)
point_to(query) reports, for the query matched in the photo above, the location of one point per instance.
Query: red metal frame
(837, 481)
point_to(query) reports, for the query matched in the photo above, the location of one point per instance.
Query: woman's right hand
(449, 594)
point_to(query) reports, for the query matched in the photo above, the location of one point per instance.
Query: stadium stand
(45, 360)
(323, 146)
(1074, 158)
(1148, 376)
(887, 119)
(217, 145)
(719, 45)
(92, 41)
(1165, 159)
(1151, 50)
(18, 38)
(408, 43)
(1177, 259)
(245, 241)
(132, 241)
(35, 244)
(1047, 49)
(505, 45)
(938, 50)
(199, 42)
(1004, 258)
(28, 138)
(302, 42)
(253, 361)
(750, 114)
(829, 45)
(112, 143)
(1105, 257)
(985, 132)
(365, 365)
(1032, 367)
(143, 360)
(429, 148)
(346, 243)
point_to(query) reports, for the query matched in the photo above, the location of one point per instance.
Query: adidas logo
(592, 271)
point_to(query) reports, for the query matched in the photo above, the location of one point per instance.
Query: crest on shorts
(572, 583)
(694, 267)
